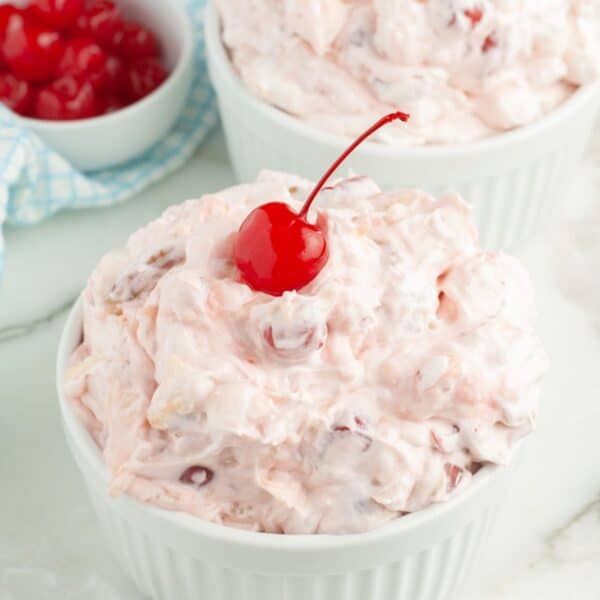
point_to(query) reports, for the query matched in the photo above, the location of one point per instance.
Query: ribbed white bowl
(513, 180)
(174, 556)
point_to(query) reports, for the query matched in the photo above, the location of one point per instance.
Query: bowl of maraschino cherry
(99, 80)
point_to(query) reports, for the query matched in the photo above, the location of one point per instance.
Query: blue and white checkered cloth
(35, 182)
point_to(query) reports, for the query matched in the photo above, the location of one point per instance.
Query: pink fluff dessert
(463, 69)
(376, 390)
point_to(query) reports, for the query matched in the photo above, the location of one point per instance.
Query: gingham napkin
(36, 182)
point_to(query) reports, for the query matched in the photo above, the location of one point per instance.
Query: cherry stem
(334, 167)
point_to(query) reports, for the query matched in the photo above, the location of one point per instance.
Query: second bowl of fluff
(502, 96)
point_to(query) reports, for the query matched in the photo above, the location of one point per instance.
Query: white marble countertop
(547, 543)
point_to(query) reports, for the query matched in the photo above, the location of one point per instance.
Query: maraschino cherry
(278, 250)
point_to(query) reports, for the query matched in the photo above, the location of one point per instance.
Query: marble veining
(565, 543)
(17, 330)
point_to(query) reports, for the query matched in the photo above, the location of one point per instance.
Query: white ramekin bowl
(105, 141)
(174, 556)
(513, 180)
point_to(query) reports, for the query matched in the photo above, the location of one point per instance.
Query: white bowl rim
(215, 46)
(187, 53)
(92, 457)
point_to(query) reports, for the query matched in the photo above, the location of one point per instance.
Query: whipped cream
(378, 389)
(463, 69)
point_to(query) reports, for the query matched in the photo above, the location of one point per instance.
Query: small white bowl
(175, 556)
(513, 180)
(105, 141)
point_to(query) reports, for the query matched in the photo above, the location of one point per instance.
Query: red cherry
(143, 77)
(6, 11)
(84, 59)
(16, 94)
(57, 13)
(277, 250)
(101, 20)
(197, 476)
(134, 41)
(475, 14)
(66, 99)
(100, 104)
(29, 14)
(454, 474)
(113, 104)
(490, 42)
(31, 51)
(116, 75)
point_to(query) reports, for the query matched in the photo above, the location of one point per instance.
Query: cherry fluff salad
(296, 359)
(464, 69)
